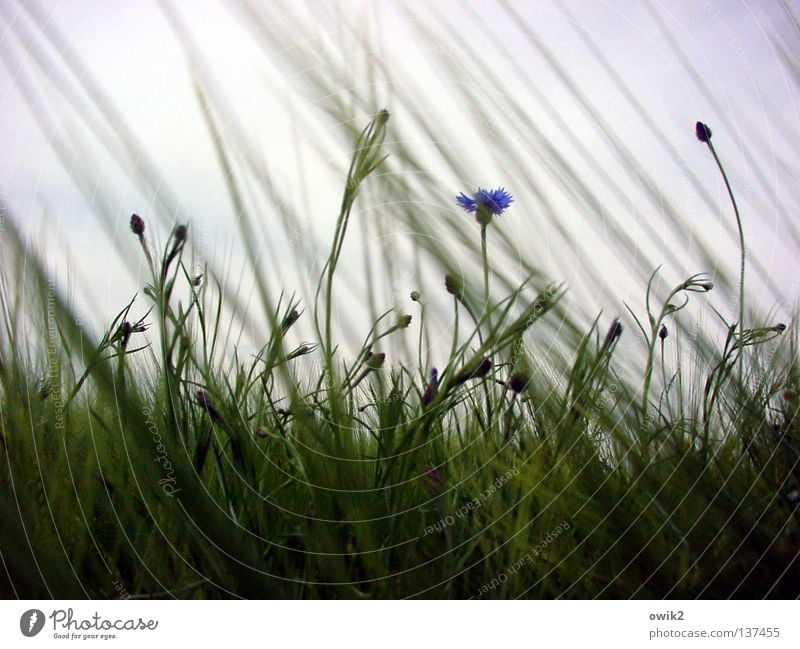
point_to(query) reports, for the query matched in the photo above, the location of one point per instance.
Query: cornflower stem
(742, 258)
(485, 259)
(487, 311)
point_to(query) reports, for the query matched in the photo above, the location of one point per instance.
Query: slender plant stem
(485, 258)
(665, 394)
(742, 258)
(655, 325)
(488, 312)
(455, 329)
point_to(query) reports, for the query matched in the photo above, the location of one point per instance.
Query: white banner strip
(406, 625)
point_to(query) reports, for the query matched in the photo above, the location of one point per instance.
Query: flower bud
(289, 319)
(179, 233)
(205, 402)
(517, 382)
(375, 361)
(702, 131)
(454, 286)
(614, 332)
(137, 225)
(477, 371)
(433, 388)
(125, 331)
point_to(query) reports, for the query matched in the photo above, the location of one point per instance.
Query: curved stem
(742, 258)
(651, 349)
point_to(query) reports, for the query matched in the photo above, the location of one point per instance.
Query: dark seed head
(614, 332)
(483, 368)
(663, 333)
(415, 296)
(137, 225)
(780, 327)
(125, 330)
(203, 398)
(474, 372)
(702, 131)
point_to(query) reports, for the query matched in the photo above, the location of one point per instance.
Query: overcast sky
(131, 51)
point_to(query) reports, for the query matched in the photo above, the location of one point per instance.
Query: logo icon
(31, 622)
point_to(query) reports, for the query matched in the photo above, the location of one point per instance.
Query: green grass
(658, 458)
(143, 460)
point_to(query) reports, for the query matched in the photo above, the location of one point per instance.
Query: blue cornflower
(495, 201)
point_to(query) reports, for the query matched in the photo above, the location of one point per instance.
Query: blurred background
(239, 119)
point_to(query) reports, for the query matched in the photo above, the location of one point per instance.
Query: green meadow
(480, 436)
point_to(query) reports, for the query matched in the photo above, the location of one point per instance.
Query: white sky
(134, 56)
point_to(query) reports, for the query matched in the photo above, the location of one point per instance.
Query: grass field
(530, 460)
